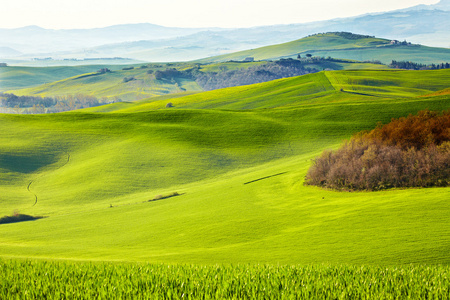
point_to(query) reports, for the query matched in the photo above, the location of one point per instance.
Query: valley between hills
(173, 168)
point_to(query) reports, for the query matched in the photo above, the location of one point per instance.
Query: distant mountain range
(422, 24)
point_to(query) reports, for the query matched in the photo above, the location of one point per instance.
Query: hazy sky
(58, 14)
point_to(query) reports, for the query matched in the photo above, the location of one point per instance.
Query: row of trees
(346, 35)
(408, 152)
(11, 103)
(256, 74)
(171, 73)
(408, 65)
(11, 100)
(243, 76)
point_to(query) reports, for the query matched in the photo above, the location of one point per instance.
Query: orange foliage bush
(408, 152)
(425, 129)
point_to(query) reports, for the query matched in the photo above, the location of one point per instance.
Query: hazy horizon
(84, 14)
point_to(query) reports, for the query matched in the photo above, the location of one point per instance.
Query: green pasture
(12, 78)
(415, 53)
(348, 86)
(63, 81)
(239, 173)
(356, 53)
(330, 44)
(301, 46)
(112, 85)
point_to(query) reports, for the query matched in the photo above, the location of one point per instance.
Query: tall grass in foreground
(72, 280)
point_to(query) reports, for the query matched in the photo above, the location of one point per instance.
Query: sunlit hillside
(238, 175)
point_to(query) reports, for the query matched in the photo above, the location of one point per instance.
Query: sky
(68, 14)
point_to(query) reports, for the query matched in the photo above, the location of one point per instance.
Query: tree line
(11, 103)
(408, 65)
(256, 74)
(243, 76)
(11, 100)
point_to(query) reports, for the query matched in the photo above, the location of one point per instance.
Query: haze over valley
(423, 24)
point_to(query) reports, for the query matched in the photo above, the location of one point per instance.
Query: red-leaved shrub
(407, 152)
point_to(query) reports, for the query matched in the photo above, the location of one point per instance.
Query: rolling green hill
(344, 46)
(239, 175)
(129, 83)
(125, 84)
(133, 82)
(12, 78)
(355, 86)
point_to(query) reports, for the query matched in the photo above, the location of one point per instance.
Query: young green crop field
(237, 158)
(62, 280)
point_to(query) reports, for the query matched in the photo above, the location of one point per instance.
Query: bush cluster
(244, 76)
(11, 100)
(39, 105)
(346, 35)
(170, 74)
(408, 152)
(161, 197)
(251, 75)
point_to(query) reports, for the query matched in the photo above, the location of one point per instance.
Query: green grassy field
(70, 80)
(67, 80)
(336, 46)
(62, 280)
(358, 86)
(12, 78)
(112, 85)
(239, 173)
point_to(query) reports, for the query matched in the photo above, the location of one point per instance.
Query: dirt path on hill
(29, 184)
(35, 196)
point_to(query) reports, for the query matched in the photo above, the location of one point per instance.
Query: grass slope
(70, 80)
(336, 46)
(112, 85)
(358, 86)
(12, 78)
(240, 176)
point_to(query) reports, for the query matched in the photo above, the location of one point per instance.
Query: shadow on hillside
(18, 218)
(25, 163)
(361, 94)
(262, 178)
(162, 197)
